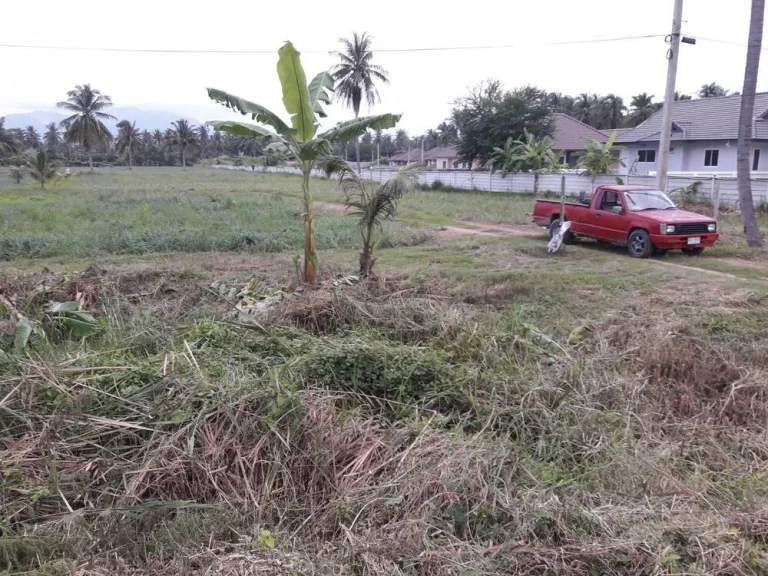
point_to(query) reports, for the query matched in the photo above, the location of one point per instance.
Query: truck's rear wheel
(639, 244)
(554, 227)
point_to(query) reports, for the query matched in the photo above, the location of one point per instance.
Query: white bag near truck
(557, 238)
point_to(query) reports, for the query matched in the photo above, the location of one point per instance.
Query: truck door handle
(597, 215)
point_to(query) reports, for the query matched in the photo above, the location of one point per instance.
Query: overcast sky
(423, 84)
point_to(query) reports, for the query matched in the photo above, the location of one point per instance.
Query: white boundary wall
(575, 184)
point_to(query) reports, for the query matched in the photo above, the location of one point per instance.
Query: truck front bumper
(680, 241)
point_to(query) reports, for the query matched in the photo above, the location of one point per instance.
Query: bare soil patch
(485, 229)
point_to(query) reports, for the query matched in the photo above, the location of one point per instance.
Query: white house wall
(689, 157)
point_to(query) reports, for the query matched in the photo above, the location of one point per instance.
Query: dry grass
(396, 427)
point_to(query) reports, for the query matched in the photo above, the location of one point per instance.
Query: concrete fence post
(715, 199)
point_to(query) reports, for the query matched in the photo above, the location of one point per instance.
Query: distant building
(704, 137)
(570, 138)
(441, 158)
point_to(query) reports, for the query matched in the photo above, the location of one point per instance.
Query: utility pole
(669, 97)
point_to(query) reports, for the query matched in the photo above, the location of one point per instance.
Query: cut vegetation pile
(388, 428)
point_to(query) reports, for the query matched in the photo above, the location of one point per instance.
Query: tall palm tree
(31, 137)
(184, 136)
(642, 107)
(85, 126)
(447, 133)
(402, 140)
(560, 102)
(586, 107)
(355, 76)
(432, 138)
(712, 90)
(612, 111)
(9, 144)
(204, 136)
(744, 146)
(52, 137)
(168, 145)
(128, 140)
(217, 142)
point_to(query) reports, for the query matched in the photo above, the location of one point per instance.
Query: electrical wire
(379, 50)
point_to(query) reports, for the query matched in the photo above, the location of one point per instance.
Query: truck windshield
(638, 200)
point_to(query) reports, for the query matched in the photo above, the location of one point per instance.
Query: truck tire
(693, 251)
(639, 244)
(567, 238)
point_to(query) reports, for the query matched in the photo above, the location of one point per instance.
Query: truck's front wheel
(639, 244)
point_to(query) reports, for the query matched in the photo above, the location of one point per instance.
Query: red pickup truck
(641, 218)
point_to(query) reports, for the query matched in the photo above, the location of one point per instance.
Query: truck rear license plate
(694, 241)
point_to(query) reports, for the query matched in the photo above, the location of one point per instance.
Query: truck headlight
(666, 228)
(711, 227)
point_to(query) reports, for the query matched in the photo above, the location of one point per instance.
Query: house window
(445, 163)
(756, 159)
(646, 156)
(711, 157)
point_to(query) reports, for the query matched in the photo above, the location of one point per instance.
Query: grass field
(481, 407)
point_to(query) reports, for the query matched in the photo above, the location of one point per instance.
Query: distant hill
(145, 119)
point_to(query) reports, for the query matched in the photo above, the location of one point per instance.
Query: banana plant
(299, 138)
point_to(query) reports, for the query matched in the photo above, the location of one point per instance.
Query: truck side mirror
(617, 210)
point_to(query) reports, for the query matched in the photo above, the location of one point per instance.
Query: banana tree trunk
(535, 183)
(744, 147)
(310, 257)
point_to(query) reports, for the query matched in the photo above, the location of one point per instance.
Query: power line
(389, 50)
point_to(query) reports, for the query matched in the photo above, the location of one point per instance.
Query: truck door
(610, 217)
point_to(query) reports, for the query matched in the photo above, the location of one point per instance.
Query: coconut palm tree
(31, 137)
(184, 136)
(372, 205)
(559, 102)
(356, 76)
(128, 140)
(217, 142)
(9, 144)
(642, 107)
(402, 140)
(85, 127)
(744, 146)
(585, 108)
(447, 133)
(168, 146)
(612, 111)
(204, 137)
(52, 137)
(712, 90)
(42, 169)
